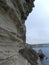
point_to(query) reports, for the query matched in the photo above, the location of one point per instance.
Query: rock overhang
(21, 7)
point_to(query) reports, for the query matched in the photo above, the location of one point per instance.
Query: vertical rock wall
(13, 14)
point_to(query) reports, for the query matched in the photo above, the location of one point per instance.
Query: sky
(37, 23)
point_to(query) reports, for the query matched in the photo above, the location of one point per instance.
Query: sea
(45, 50)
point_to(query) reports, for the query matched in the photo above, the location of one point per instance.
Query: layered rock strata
(13, 14)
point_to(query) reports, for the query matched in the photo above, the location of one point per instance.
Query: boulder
(41, 54)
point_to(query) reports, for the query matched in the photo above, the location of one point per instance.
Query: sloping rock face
(30, 55)
(13, 14)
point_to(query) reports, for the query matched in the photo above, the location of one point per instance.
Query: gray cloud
(37, 25)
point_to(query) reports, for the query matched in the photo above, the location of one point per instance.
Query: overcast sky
(37, 23)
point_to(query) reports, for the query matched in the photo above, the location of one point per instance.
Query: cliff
(13, 14)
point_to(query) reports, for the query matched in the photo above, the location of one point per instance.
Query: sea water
(45, 50)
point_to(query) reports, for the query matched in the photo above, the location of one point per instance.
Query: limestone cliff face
(13, 14)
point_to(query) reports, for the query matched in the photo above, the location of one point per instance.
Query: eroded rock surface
(13, 14)
(30, 55)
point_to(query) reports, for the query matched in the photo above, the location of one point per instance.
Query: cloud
(37, 25)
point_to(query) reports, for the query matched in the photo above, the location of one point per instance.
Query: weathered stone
(13, 14)
(41, 54)
(30, 55)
